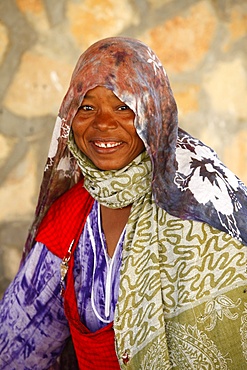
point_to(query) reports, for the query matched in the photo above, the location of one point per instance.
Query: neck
(113, 222)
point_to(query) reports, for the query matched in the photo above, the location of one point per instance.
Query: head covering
(188, 181)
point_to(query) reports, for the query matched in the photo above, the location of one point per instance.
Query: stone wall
(202, 45)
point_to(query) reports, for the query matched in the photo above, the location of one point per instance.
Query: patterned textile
(29, 312)
(134, 73)
(182, 286)
(92, 348)
(33, 326)
(183, 294)
(119, 188)
(96, 275)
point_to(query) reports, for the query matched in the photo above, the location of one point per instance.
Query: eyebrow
(88, 96)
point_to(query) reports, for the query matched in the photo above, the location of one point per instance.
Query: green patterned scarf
(118, 188)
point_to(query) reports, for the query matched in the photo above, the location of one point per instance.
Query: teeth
(107, 145)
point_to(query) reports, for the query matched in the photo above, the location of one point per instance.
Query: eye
(124, 107)
(85, 107)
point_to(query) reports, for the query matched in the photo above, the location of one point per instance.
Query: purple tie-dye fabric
(95, 266)
(33, 326)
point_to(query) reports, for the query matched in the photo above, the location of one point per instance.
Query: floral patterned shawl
(189, 181)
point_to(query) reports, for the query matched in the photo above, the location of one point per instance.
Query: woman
(139, 237)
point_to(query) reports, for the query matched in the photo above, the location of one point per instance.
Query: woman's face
(104, 130)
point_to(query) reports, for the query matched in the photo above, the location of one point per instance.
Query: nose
(105, 120)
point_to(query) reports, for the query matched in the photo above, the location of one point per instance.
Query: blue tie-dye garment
(33, 326)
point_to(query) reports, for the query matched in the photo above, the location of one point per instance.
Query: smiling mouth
(107, 145)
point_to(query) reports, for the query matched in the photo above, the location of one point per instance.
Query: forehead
(101, 92)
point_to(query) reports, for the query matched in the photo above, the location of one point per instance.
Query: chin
(109, 167)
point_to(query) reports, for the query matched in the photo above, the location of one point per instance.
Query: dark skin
(113, 223)
(104, 131)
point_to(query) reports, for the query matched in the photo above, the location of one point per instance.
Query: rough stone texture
(3, 41)
(227, 85)
(158, 3)
(19, 189)
(236, 154)
(37, 91)
(202, 44)
(30, 6)
(187, 98)
(238, 21)
(183, 41)
(102, 18)
(6, 144)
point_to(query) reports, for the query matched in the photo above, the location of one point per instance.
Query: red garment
(63, 223)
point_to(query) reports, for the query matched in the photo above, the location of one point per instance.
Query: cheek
(138, 143)
(136, 140)
(76, 126)
(78, 133)
(134, 134)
